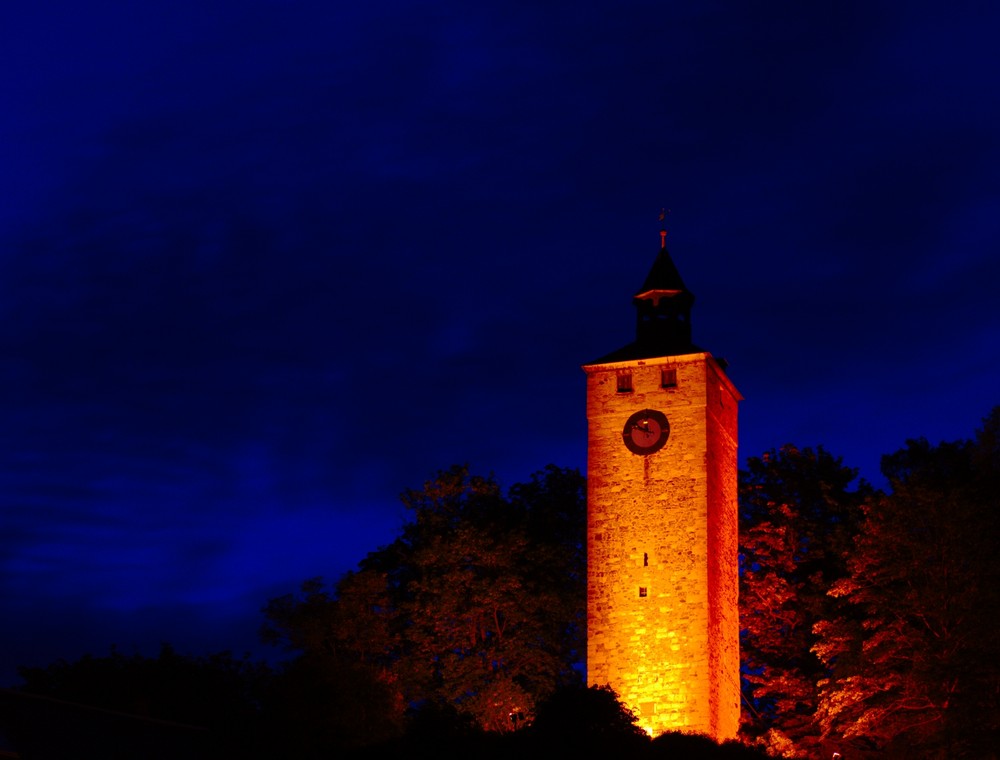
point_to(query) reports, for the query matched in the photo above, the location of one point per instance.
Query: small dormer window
(624, 382)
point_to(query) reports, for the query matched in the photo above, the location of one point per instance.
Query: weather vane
(663, 227)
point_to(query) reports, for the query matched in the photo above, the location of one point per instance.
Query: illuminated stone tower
(662, 618)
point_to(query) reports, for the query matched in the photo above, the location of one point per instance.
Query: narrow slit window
(625, 382)
(645, 559)
(668, 377)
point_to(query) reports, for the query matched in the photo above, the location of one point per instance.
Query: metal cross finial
(663, 227)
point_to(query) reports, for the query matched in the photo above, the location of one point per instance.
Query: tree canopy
(798, 515)
(479, 604)
(867, 625)
(914, 656)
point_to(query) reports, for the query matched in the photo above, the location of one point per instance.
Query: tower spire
(663, 304)
(663, 311)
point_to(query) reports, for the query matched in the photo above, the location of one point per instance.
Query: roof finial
(663, 227)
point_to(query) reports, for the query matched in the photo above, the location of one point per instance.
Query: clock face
(646, 431)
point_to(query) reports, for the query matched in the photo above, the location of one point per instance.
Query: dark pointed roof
(663, 277)
(663, 306)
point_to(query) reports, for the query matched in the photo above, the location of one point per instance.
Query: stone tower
(662, 617)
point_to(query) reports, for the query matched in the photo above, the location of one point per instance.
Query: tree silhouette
(797, 520)
(916, 658)
(478, 604)
(578, 720)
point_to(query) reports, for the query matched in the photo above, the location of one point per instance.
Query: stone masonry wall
(661, 609)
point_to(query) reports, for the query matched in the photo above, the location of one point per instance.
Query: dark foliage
(478, 604)
(572, 722)
(209, 702)
(317, 707)
(798, 517)
(915, 658)
(46, 728)
(692, 747)
(581, 720)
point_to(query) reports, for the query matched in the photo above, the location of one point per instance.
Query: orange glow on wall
(663, 625)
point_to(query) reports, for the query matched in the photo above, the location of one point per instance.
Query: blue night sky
(264, 265)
